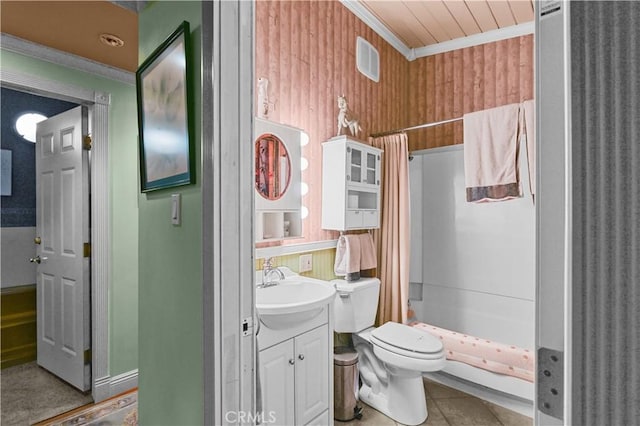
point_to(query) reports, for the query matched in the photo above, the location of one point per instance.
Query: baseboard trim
(107, 387)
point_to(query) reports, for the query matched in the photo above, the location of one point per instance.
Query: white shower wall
(476, 262)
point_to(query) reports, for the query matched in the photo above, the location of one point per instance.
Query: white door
(277, 366)
(312, 374)
(62, 225)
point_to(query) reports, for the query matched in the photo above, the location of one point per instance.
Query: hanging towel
(529, 115)
(490, 154)
(348, 257)
(368, 252)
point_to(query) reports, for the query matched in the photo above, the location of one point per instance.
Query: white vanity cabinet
(351, 175)
(294, 377)
(296, 373)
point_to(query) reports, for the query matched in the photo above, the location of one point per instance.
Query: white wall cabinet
(278, 198)
(294, 377)
(351, 174)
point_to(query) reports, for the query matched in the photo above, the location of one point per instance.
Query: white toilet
(392, 357)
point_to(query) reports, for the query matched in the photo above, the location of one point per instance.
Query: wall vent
(367, 59)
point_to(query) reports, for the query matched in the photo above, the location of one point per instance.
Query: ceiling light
(111, 40)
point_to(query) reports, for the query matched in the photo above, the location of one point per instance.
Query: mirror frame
(260, 158)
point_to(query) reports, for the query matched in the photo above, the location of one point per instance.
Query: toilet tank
(355, 305)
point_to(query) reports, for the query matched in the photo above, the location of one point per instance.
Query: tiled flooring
(450, 407)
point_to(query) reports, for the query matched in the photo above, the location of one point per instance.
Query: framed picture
(164, 119)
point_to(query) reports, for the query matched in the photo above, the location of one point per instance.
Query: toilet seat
(407, 341)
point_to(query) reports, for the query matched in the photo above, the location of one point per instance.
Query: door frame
(97, 102)
(227, 212)
(554, 204)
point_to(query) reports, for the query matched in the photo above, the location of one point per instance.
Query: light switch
(305, 263)
(176, 213)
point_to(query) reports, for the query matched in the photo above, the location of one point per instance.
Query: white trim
(42, 87)
(446, 46)
(124, 382)
(227, 208)
(69, 60)
(100, 212)
(108, 386)
(376, 25)
(210, 177)
(265, 252)
(100, 236)
(568, 219)
(475, 40)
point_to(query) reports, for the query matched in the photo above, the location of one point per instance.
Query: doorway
(102, 385)
(29, 389)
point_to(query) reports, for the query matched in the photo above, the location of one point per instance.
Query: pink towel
(368, 252)
(529, 112)
(347, 255)
(490, 154)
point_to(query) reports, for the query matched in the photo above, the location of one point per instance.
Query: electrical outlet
(306, 263)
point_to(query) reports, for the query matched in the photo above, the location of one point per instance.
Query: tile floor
(450, 407)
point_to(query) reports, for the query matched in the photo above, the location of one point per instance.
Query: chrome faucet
(267, 271)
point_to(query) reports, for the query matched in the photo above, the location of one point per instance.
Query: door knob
(37, 259)
(292, 361)
(300, 357)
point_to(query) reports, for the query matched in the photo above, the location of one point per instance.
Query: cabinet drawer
(354, 219)
(370, 218)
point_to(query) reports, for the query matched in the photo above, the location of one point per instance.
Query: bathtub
(502, 367)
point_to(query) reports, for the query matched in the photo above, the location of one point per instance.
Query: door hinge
(247, 326)
(87, 356)
(551, 382)
(86, 250)
(86, 143)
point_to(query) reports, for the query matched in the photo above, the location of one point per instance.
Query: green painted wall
(123, 187)
(170, 304)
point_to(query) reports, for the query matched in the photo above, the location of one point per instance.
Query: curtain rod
(421, 126)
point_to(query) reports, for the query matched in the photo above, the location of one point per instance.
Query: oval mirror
(273, 167)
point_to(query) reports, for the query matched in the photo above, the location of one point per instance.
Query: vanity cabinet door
(312, 374)
(277, 369)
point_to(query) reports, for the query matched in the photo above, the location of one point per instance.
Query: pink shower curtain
(393, 238)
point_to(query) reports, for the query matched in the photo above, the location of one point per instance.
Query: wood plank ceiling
(428, 22)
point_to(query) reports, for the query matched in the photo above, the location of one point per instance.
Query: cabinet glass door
(355, 163)
(371, 169)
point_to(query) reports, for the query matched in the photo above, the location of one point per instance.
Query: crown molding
(446, 46)
(27, 48)
(475, 40)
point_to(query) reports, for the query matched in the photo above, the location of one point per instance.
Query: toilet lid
(407, 338)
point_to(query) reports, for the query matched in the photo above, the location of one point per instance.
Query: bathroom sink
(293, 300)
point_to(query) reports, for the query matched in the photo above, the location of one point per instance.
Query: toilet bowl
(392, 357)
(391, 372)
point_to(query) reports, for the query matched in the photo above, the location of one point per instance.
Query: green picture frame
(165, 127)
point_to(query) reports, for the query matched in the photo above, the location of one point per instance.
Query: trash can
(345, 384)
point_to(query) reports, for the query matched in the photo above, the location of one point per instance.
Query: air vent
(368, 60)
